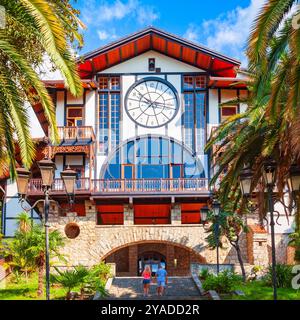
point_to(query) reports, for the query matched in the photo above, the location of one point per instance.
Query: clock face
(151, 102)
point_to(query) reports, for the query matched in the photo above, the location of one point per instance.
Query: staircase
(131, 288)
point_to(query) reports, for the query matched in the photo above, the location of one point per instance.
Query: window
(152, 158)
(109, 113)
(228, 111)
(74, 116)
(194, 123)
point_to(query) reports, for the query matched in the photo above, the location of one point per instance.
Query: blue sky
(222, 25)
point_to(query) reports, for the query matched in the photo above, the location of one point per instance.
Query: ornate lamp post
(203, 213)
(47, 168)
(269, 176)
(69, 177)
(216, 207)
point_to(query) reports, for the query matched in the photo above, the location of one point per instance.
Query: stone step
(178, 288)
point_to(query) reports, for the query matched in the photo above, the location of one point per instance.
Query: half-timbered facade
(136, 139)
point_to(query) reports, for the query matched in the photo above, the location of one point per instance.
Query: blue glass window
(109, 114)
(153, 158)
(194, 123)
(103, 132)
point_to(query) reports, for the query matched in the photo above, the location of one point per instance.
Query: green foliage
(204, 273)
(25, 252)
(70, 279)
(34, 30)
(295, 242)
(86, 279)
(224, 282)
(227, 224)
(284, 276)
(270, 126)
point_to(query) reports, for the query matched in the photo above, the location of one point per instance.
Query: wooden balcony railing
(181, 185)
(76, 133)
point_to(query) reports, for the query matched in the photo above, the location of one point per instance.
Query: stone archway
(177, 257)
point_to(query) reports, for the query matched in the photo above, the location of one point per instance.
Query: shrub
(224, 282)
(204, 273)
(284, 276)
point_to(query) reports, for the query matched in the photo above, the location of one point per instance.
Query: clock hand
(164, 107)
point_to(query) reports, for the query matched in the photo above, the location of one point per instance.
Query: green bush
(204, 273)
(284, 276)
(224, 282)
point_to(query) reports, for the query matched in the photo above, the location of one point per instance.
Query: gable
(182, 50)
(139, 64)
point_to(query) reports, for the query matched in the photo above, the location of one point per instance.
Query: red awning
(228, 82)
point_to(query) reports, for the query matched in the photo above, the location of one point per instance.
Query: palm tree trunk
(237, 248)
(41, 272)
(68, 296)
(241, 262)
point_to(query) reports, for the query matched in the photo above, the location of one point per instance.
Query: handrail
(126, 185)
(79, 133)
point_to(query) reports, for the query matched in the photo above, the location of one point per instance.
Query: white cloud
(192, 32)
(117, 10)
(146, 15)
(228, 33)
(105, 35)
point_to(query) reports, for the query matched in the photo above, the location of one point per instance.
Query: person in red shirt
(146, 280)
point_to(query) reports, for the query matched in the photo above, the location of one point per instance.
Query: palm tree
(24, 222)
(37, 249)
(271, 125)
(34, 29)
(230, 226)
(71, 279)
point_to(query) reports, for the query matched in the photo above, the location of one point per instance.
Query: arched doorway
(130, 259)
(152, 259)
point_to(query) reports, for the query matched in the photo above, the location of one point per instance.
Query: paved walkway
(178, 288)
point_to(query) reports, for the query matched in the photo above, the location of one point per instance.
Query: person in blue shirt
(161, 279)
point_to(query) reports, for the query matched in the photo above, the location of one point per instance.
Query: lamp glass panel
(47, 174)
(22, 184)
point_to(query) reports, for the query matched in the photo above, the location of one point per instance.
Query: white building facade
(136, 139)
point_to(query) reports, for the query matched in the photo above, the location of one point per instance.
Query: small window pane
(103, 83)
(115, 83)
(188, 82)
(200, 82)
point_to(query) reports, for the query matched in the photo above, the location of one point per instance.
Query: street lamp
(245, 181)
(216, 207)
(69, 177)
(203, 213)
(47, 168)
(269, 176)
(295, 178)
(23, 176)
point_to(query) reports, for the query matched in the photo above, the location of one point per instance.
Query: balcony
(74, 140)
(76, 134)
(123, 187)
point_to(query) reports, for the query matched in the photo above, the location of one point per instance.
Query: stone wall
(98, 242)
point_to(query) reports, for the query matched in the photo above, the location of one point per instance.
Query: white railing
(181, 185)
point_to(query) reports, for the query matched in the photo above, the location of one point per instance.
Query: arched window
(152, 157)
